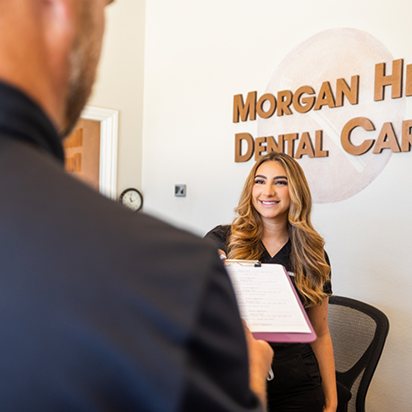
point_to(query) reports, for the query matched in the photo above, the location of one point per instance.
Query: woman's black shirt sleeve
(219, 236)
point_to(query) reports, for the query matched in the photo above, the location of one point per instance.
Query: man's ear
(59, 25)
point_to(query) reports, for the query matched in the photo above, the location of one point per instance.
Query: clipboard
(269, 303)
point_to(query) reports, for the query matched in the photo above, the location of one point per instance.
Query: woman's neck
(275, 236)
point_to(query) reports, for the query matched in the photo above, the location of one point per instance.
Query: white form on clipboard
(268, 302)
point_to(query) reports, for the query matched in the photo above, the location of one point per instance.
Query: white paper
(266, 299)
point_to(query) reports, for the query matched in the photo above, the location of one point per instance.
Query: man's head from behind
(51, 52)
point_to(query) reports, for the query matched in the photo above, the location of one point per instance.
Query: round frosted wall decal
(326, 57)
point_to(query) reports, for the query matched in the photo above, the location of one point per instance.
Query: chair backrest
(358, 333)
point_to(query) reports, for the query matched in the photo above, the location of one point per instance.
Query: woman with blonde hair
(273, 225)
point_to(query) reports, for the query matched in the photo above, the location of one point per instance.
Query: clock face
(132, 198)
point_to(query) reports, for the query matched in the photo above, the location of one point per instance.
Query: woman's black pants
(297, 385)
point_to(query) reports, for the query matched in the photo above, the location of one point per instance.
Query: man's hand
(222, 255)
(260, 359)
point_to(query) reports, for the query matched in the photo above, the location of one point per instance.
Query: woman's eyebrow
(275, 178)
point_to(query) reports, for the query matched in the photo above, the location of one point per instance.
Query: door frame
(109, 129)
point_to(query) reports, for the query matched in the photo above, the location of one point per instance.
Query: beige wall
(120, 84)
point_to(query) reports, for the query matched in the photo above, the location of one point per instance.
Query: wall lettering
(306, 98)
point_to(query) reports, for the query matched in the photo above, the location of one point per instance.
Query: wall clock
(132, 199)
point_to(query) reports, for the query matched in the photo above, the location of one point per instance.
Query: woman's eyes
(277, 182)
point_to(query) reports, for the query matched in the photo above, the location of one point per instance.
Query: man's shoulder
(72, 216)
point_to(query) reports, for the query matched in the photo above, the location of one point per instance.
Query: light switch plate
(180, 190)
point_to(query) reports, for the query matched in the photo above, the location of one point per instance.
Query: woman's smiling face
(270, 193)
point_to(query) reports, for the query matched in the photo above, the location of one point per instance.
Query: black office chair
(358, 333)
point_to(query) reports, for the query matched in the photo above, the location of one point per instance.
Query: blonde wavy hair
(307, 246)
